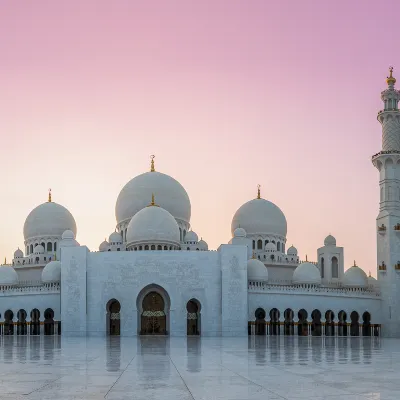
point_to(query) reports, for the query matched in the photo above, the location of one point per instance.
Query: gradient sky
(226, 94)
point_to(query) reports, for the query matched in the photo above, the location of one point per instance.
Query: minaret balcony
(396, 228)
(382, 229)
(397, 266)
(382, 267)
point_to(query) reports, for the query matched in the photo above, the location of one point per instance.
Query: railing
(382, 228)
(260, 286)
(382, 267)
(397, 227)
(386, 152)
(397, 267)
(43, 288)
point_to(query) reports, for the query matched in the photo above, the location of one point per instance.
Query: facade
(153, 276)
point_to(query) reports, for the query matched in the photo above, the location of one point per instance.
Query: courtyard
(151, 368)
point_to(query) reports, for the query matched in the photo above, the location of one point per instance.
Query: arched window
(165, 247)
(283, 247)
(322, 267)
(55, 246)
(159, 247)
(140, 247)
(43, 245)
(259, 244)
(49, 246)
(180, 234)
(153, 246)
(254, 244)
(184, 235)
(278, 246)
(31, 249)
(381, 193)
(335, 268)
(146, 247)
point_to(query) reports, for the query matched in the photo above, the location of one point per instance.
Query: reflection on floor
(151, 368)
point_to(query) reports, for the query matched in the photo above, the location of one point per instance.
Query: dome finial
(258, 191)
(5, 260)
(355, 265)
(391, 80)
(369, 275)
(152, 157)
(153, 202)
(49, 199)
(306, 257)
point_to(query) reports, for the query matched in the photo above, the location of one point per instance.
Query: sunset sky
(226, 94)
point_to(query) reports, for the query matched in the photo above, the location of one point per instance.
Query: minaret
(387, 162)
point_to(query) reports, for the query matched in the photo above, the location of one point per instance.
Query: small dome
(260, 216)
(38, 249)
(292, 251)
(355, 277)
(153, 224)
(52, 272)
(330, 241)
(239, 232)
(372, 281)
(270, 247)
(306, 273)
(18, 253)
(68, 234)
(191, 237)
(104, 246)
(48, 219)
(256, 270)
(115, 237)
(8, 276)
(202, 245)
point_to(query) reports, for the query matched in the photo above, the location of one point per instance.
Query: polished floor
(151, 368)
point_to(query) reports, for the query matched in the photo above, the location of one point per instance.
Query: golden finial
(5, 260)
(306, 258)
(369, 274)
(49, 199)
(152, 163)
(258, 191)
(153, 202)
(355, 265)
(391, 80)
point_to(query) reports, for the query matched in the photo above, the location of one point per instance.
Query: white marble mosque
(154, 276)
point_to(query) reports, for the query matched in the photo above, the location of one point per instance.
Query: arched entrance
(8, 323)
(302, 328)
(22, 325)
(366, 326)
(316, 326)
(289, 323)
(113, 317)
(49, 322)
(35, 322)
(153, 319)
(274, 322)
(329, 323)
(354, 324)
(193, 317)
(260, 322)
(342, 325)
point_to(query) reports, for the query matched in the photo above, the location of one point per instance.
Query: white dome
(52, 272)
(153, 224)
(39, 249)
(330, 241)
(260, 216)
(292, 251)
(256, 270)
(8, 276)
(169, 193)
(355, 277)
(48, 219)
(104, 246)
(191, 237)
(306, 273)
(18, 253)
(270, 247)
(115, 237)
(68, 234)
(202, 245)
(239, 232)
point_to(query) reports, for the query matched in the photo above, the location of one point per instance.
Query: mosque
(153, 276)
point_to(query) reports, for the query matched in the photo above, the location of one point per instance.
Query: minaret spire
(49, 199)
(258, 191)
(152, 169)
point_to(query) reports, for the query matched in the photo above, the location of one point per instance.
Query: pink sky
(227, 94)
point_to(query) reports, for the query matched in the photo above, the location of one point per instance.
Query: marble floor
(151, 368)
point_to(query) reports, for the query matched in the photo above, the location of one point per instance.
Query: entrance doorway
(153, 319)
(114, 317)
(193, 318)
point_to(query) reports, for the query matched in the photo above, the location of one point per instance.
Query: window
(278, 246)
(259, 244)
(335, 268)
(322, 267)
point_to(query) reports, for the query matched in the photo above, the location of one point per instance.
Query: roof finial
(5, 260)
(391, 80)
(49, 199)
(306, 258)
(258, 191)
(355, 265)
(152, 163)
(369, 274)
(153, 202)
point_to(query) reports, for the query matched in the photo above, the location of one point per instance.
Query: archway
(288, 323)
(113, 317)
(354, 325)
(274, 323)
(22, 325)
(366, 326)
(329, 324)
(260, 327)
(302, 329)
(8, 323)
(316, 325)
(35, 322)
(193, 318)
(49, 322)
(342, 324)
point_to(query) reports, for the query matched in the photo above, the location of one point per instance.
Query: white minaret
(387, 162)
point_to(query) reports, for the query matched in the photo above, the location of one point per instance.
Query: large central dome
(169, 192)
